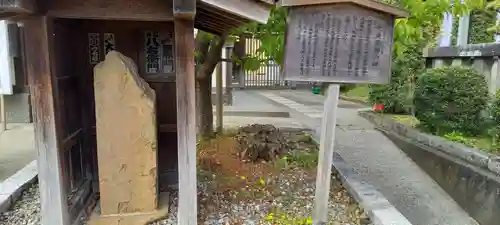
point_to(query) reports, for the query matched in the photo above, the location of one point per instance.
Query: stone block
(126, 137)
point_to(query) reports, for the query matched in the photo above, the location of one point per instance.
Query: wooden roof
(217, 16)
(12, 8)
(372, 4)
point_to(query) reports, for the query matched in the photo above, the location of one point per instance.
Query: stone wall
(470, 177)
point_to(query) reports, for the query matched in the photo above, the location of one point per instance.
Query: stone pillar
(126, 138)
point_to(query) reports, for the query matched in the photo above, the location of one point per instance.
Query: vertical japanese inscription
(351, 42)
(336, 34)
(362, 38)
(302, 39)
(94, 46)
(152, 52)
(317, 26)
(367, 46)
(330, 37)
(327, 30)
(378, 45)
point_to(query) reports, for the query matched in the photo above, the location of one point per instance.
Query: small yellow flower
(262, 182)
(243, 177)
(270, 217)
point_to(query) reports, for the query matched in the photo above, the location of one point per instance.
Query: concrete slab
(17, 149)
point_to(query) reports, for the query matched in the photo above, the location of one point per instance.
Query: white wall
(6, 72)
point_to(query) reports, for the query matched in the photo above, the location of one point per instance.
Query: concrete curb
(378, 208)
(343, 97)
(453, 149)
(12, 187)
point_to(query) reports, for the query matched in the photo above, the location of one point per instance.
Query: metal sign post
(337, 41)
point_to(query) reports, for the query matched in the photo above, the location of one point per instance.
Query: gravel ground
(231, 191)
(294, 197)
(26, 210)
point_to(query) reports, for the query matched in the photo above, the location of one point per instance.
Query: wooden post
(325, 160)
(3, 113)
(220, 98)
(186, 120)
(39, 47)
(229, 75)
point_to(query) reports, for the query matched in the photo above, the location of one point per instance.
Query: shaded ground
(17, 149)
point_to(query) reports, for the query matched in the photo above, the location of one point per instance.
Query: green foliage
(284, 219)
(347, 87)
(451, 99)
(398, 94)
(495, 115)
(460, 138)
(480, 22)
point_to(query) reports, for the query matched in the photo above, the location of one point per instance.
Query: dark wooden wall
(129, 40)
(143, 10)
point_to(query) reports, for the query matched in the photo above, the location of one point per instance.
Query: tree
(208, 55)
(408, 31)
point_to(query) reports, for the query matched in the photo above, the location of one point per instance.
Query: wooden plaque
(340, 43)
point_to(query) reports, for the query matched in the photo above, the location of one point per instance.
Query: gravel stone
(25, 211)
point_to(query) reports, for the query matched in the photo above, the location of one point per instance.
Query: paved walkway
(379, 162)
(17, 149)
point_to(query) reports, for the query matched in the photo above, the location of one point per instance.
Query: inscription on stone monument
(338, 44)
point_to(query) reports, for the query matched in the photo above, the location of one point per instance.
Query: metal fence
(267, 76)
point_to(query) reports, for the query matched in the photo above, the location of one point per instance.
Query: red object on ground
(378, 107)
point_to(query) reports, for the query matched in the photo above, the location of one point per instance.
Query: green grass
(405, 119)
(360, 92)
(483, 143)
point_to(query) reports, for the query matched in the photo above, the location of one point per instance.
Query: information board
(338, 43)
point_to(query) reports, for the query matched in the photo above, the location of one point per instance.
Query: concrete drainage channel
(378, 208)
(12, 188)
(471, 177)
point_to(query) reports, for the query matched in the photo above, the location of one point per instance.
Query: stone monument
(126, 141)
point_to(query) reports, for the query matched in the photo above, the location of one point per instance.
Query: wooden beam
(184, 9)
(186, 120)
(326, 148)
(39, 47)
(244, 8)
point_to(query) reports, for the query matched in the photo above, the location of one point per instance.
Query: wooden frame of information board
(337, 41)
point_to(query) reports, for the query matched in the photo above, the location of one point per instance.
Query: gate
(268, 76)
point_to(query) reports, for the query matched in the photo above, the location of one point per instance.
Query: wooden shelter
(65, 39)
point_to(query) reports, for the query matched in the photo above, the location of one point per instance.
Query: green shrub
(495, 116)
(397, 95)
(451, 99)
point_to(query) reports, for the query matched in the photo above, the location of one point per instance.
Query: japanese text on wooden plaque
(338, 44)
(94, 44)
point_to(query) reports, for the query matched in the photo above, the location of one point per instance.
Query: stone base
(133, 218)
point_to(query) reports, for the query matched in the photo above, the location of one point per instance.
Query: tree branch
(212, 57)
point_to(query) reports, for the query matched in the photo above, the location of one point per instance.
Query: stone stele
(126, 137)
